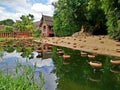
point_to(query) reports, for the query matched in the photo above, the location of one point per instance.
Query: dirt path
(94, 44)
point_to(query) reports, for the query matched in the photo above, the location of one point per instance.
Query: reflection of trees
(78, 72)
(110, 80)
(1, 53)
(9, 49)
(24, 46)
(27, 52)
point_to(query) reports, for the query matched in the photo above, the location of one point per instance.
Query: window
(44, 28)
(50, 27)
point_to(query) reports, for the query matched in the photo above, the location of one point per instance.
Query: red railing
(6, 34)
(17, 34)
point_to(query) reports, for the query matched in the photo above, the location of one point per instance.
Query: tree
(96, 20)
(26, 23)
(7, 22)
(112, 11)
(69, 16)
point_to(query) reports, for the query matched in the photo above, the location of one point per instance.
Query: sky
(13, 9)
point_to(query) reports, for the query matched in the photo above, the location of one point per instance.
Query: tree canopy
(97, 17)
(25, 23)
(66, 18)
(112, 11)
(7, 22)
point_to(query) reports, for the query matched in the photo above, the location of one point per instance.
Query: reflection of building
(47, 52)
(46, 25)
(46, 55)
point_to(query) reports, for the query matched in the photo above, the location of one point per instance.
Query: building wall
(2, 27)
(46, 30)
(36, 25)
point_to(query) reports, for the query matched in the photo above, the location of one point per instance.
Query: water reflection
(77, 74)
(115, 68)
(25, 53)
(61, 73)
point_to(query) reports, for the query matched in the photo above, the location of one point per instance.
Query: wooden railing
(22, 34)
(17, 34)
(6, 34)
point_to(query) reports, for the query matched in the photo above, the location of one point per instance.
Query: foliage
(96, 21)
(3, 39)
(66, 18)
(7, 22)
(26, 52)
(71, 15)
(37, 33)
(2, 30)
(25, 23)
(112, 11)
(7, 29)
(9, 49)
(22, 79)
(81, 75)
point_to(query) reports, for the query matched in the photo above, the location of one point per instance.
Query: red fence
(17, 34)
(22, 34)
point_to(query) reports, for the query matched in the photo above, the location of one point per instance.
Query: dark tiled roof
(47, 20)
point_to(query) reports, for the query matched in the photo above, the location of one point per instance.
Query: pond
(73, 72)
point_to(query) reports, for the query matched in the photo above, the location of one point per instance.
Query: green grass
(22, 78)
(11, 38)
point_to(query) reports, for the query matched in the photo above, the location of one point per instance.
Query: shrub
(8, 29)
(37, 33)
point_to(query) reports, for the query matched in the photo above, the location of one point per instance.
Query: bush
(8, 29)
(37, 33)
(3, 30)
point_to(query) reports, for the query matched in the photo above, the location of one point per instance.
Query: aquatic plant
(21, 78)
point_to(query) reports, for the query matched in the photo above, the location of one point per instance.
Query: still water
(74, 73)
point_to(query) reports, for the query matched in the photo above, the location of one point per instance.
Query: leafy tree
(8, 22)
(69, 16)
(96, 20)
(26, 23)
(20, 25)
(112, 11)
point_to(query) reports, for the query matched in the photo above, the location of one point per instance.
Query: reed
(22, 78)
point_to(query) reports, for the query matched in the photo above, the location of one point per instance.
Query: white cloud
(6, 15)
(44, 9)
(23, 7)
(52, 1)
(1, 10)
